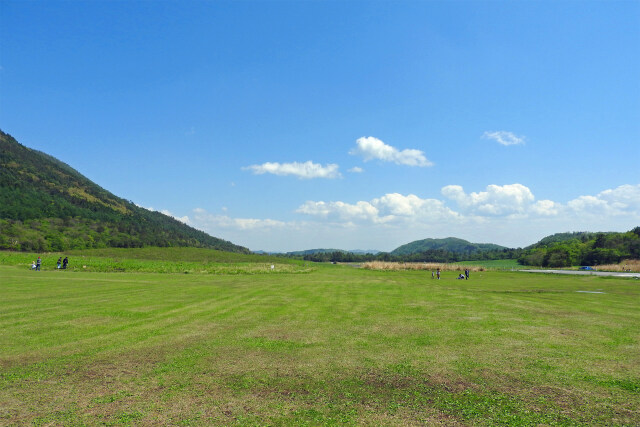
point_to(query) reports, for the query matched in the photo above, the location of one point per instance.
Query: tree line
(584, 249)
(432, 255)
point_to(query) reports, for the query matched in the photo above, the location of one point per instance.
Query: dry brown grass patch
(429, 266)
(630, 265)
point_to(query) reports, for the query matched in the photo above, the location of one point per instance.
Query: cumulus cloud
(624, 197)
(504, 138)
(340, 211)
(370, 148)
(546, 208)
(411, 207)
(389, 208)
(306, 170)
(496, 200)
(356, 169)
(589, 205)
(622, 200)
(517, 199)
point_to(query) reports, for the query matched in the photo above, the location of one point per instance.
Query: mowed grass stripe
(132, 319)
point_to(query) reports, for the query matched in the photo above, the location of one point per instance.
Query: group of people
(62, 264)
(464, 276)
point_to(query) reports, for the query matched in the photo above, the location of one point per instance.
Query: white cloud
(389, 208)
(623, 200)
(589, 205)
(356, 169)
(340, 211)
(496, 200)
(504, 138)
(497, 206)
(371, 148)
(206, 220)
(412, 207)
(546, 208)
(306, 170)
(517, 199)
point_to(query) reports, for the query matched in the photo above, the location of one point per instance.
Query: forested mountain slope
(46, 205)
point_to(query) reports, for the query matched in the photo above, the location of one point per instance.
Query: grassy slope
(338, 345)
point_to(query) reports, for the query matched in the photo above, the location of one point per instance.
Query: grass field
(161, 260)
(333, 345)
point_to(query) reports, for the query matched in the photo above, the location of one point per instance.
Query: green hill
(46, 205)
(450, 244)
(581, 236)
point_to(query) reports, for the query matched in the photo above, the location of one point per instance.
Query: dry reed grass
(626, 265)
(389, 266)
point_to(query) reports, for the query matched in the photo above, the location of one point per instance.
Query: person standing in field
(38, 264)
(64, 263)
(438, 273)
(59, 262)
(466, 273)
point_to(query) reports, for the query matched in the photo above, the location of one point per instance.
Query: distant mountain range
(450, 244)
(46, 205)
(460, 248)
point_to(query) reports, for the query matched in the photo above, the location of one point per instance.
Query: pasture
(316, 345)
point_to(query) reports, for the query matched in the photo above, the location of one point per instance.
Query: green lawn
(328, 345)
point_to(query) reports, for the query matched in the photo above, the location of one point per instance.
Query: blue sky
(357, 125)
